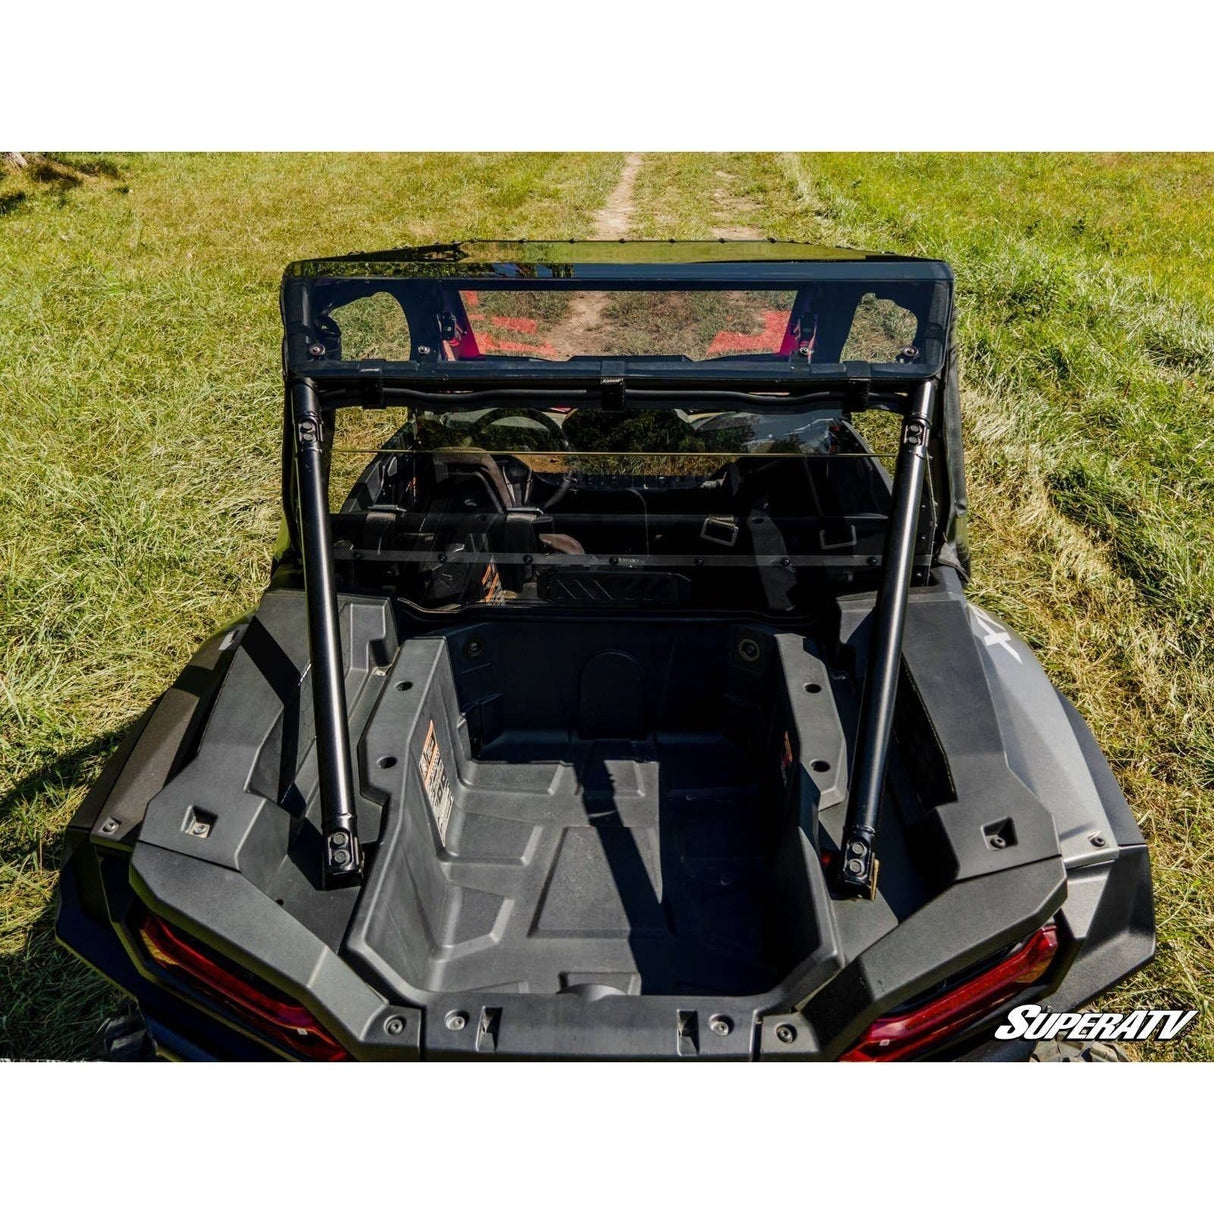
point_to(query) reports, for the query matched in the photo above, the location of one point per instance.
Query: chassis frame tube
(342, 859)
(857, 872)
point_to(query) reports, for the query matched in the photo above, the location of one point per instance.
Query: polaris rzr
(615, 693)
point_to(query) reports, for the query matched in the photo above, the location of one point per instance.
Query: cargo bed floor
(635, 866)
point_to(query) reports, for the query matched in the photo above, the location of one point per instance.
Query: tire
(1074, 1051)
(124, 1037)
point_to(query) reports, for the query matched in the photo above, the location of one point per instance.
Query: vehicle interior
(521, 506)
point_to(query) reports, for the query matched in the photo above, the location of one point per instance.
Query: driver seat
(521, 532)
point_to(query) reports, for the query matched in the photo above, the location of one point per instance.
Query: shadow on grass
(50, 1002)
(63, 772)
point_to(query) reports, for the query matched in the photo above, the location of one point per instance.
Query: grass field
(139, 399)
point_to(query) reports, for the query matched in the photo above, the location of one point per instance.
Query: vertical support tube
(342, 859)
(857, 873)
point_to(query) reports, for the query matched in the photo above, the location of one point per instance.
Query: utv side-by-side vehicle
(615, 693)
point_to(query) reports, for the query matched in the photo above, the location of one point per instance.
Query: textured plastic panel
(616, 807)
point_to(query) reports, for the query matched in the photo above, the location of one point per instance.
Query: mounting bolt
(721, 1025)
(341, 856)
(855, 866)
(423, 350)
(394, 1026)
(200, 829)
(316, 349)
(1098, 840)
(748, 649)
(786, 1034)
(339, 838)
(456, 1021)
(474, 648)
(856, 848)
(998, 842)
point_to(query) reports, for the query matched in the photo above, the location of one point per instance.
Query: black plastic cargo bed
(598, 808)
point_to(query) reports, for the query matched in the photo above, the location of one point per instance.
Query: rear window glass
(567, 324)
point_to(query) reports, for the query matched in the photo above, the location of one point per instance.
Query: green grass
(139, 405)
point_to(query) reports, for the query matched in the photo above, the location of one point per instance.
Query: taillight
(906, 1034)
(270, 1014)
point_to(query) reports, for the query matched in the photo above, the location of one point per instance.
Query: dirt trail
(586, 310)
(579, 330)
(612, 221)
(729, 207)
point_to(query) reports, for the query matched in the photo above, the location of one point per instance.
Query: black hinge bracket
(371, 386)
(859, 383)
(612, 393)
(611, 385)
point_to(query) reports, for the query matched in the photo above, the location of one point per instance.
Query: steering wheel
(476, 435)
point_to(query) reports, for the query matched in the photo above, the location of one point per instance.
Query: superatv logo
(1034, 1023)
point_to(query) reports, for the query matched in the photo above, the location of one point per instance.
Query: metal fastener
(316, 349)
(456, 1021)
(1098, 840)
(721, 1025)
(786, 1034)
(998, 842)
(474, 648)
(109, 826)
(201, 829)
(340, 839)
(394, 1026)
(341, 856)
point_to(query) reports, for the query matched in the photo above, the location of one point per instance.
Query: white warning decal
(992, 634)
(434, 780)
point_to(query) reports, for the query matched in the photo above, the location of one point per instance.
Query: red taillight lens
(908, 1034)
(287, 1022)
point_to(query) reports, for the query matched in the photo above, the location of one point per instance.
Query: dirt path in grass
(611, 223)
(580, 330)
(729, 207)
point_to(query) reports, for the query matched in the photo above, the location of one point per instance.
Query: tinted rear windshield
(516, 506)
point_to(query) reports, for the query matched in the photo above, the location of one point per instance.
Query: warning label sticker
(435, 782)
(491, 584)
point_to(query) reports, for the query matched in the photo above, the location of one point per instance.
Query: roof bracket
(859, 383)
(611, 385)
(371, 385)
